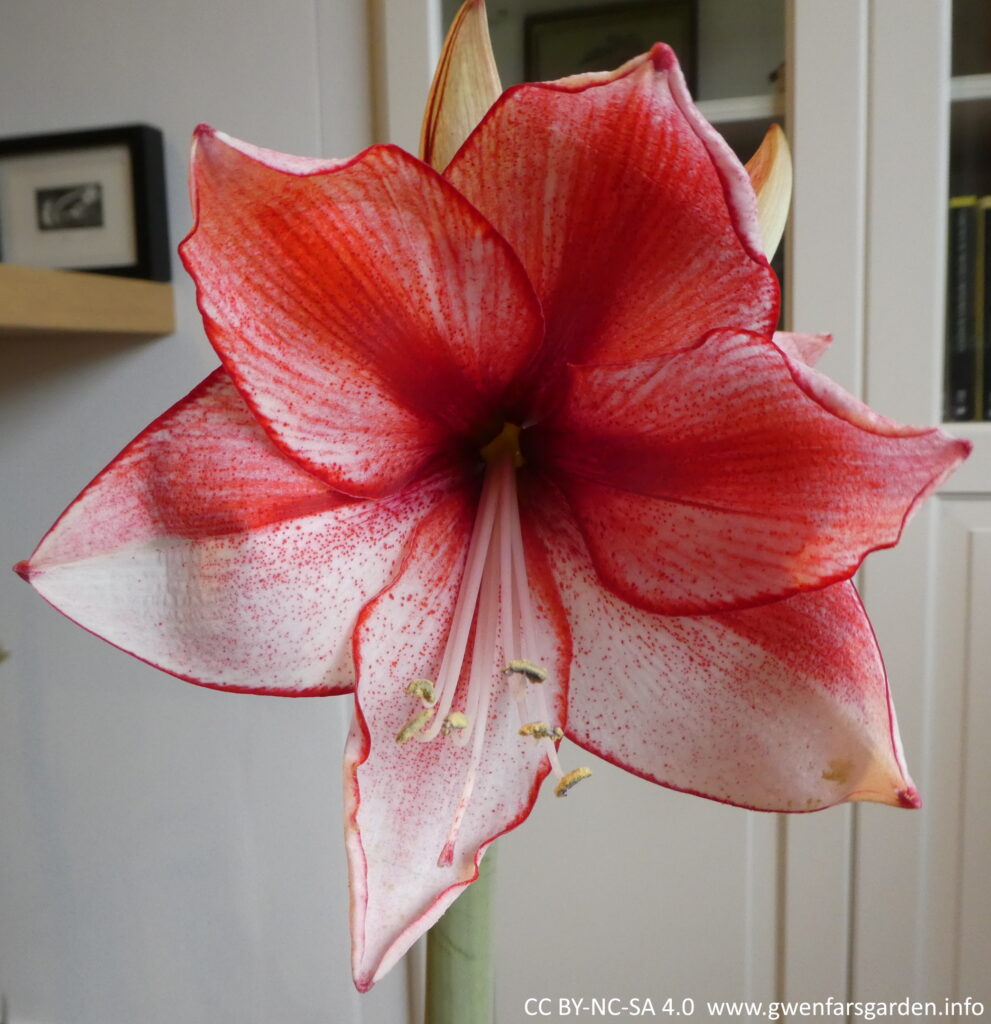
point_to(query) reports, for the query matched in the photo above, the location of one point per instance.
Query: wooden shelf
(68, 302)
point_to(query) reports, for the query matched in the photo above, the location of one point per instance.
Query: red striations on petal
(636, 223)
(369, 315)
(726, 475)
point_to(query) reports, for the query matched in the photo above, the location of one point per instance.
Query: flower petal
(401, 798)
(803, 348)
(770, 172)
(369, 316)
(726, 475)
(202, 550)
(465, 84)
(783, 707)
(636, 223)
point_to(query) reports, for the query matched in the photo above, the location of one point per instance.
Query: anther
(414, 725)
(422, 688)
(454, 721)
(534, 673)
(541, 730)
(571, 779)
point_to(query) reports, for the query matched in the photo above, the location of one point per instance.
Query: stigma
(491, 651)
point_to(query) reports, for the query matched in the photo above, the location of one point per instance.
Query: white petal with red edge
(401, 798)
(783, 707)
(637, 225)
(202, 550)
(370, 316)
(728, 475)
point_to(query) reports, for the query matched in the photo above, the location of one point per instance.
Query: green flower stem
(459, 956)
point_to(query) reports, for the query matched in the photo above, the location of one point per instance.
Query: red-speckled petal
(371, 318)
(727, 475)
(202, 550)
(401, 799)
(783, 707)
(636, 223)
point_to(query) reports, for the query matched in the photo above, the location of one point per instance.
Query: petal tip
(23, 569)
(663, 57)
(909, 798)
(363, 982)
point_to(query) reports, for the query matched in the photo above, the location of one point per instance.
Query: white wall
(167, 853)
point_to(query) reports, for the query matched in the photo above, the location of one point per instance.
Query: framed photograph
(602, 38)
(87, 200)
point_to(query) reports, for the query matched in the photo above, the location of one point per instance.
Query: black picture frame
(601, 38)
(89, 200)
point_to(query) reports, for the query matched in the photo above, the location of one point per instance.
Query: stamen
(422, 688)
(455, 721)
(414, 725)
(527, 620)
(464, 605)
(541, 730)
(493, 625)
(571, 779)
(483, 658)
(534, 673)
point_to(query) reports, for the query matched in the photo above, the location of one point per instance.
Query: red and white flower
(508, 452)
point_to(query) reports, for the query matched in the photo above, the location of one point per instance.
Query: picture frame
(601, 38)
(89, 200)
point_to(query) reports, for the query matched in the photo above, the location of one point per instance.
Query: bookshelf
(862, 902)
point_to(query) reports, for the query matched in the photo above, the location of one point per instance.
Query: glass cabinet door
(732, 53)
(967, 380)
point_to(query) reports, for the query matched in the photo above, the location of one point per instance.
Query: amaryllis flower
(509, 452)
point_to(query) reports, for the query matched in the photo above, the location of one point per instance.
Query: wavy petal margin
(370, 317)
(203, 551)
(636, 223)
(729, 475)
(779, 708)
(401, 798)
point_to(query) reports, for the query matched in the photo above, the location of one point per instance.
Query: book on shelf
(960, 382)
(983, 355)
(967, 382)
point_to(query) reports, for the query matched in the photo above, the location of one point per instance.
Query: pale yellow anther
(414, 725)
(541, 730)
(534, 673)
(571, 779)
(422, 688)
(455, 721)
